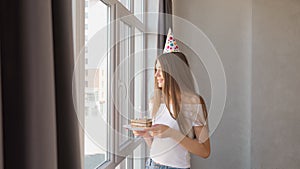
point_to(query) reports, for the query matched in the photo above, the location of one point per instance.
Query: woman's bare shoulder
(189, 98)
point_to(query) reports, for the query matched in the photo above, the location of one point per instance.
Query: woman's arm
(199, 146)
(146, 136)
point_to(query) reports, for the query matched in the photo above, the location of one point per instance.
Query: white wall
(276, 81)
(228, 25)
(258, 41)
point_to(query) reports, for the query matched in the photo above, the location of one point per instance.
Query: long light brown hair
(178, 80)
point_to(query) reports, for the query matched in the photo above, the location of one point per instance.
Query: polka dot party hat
(171, 44)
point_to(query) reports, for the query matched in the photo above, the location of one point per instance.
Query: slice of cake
(141, 122)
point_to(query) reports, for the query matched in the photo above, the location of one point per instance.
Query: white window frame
(127, 16)
(117, 11)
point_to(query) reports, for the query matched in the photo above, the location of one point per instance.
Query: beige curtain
(39, 127)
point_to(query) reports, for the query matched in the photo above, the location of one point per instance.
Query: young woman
(179, 116)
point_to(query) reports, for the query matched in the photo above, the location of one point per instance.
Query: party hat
(171, 44)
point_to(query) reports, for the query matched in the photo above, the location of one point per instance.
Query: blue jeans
(150, 164)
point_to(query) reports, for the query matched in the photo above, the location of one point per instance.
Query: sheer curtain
(39, 123)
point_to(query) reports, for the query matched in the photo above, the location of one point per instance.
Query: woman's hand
(161, 131)
(144, 133)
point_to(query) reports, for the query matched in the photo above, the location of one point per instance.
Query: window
(123, 75)
(134, 160)
(126, 3)
(129, 77)
(96, 146)
(86, 38)
(138, 154)
(86, 84)
(138, 9)
(123, 165)
(139, 77)
(120, 66)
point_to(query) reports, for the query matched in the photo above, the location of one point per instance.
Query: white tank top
(166, 151)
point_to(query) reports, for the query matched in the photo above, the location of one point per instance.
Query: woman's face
(159, 76)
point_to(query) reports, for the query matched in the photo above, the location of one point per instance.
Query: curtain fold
(164, 23)
(39, 123)
(67, 122)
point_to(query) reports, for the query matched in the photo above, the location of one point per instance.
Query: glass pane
(139, 157)
(139, 9)
(139, 74)
(123, 80)
(122, 165)
(96, 135)
(126, 3)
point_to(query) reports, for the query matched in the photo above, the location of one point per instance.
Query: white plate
(129, 127)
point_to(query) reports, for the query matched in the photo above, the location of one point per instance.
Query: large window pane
(123, 79)
(139, 75)
(139, 9)
(96, 75)
(139, 157)
(96, 79)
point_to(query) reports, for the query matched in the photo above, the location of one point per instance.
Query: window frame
(117, 11)
(128, 17)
